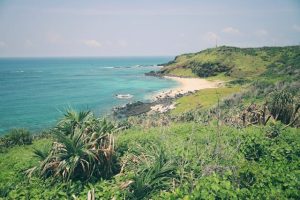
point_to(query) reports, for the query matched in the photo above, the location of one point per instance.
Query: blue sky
(143, 27)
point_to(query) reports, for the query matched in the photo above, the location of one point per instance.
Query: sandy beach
(163, 101)
(187, 85)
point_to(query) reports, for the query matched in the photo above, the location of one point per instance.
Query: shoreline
(163, 101)
(186, 85)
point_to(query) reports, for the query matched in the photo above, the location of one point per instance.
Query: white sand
(187, 85)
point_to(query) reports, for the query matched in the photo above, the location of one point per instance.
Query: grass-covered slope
(202, 99)
(239, 68)
(233, 62)
(240, 141)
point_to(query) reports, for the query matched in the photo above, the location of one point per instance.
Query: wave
(124, 96)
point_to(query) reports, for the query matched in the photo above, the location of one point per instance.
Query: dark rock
(132, 109)
(154, 73)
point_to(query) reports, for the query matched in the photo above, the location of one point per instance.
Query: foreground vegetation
(237, 142)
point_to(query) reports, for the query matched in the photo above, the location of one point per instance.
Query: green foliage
(208, 69)
(180, 161)
(269, 171)
(16, 136)
(152, 170)
(240, 81)
(202, 99)
(82, 149)
(210, 187)
(14, 162)
(183, 72)
(73, 120)
(271, 62)
(253, 148)
(283, 107)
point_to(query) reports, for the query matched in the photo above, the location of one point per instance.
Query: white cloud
(2, 44)
(261, 33)
(92, 43)
(296, 28)
(211, 37)
(231, 30)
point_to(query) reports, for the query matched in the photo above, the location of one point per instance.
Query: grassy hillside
(238, 67)
(240, 141)
(202, 99)
(233, 62)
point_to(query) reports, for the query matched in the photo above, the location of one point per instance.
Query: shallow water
(35, 91)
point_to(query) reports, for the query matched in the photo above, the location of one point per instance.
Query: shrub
(209, 187)
(283, 106)
(208, 69)
(83, 148)
(253, 147)
(152, 170)
(240, 81)
(18, 136)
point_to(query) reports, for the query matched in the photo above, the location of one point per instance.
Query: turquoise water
(35, 91)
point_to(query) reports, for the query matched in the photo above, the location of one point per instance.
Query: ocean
(34, 92)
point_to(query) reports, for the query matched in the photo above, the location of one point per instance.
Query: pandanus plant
(83, 147)
(284, 106)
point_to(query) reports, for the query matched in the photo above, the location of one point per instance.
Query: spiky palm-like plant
(284, 106)
(83, 148)
(73, 120)
(153, 171)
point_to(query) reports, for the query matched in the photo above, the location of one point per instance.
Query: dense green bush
(83, 148)
(284, 106)
(208, 69)
(152, 172)
(18, 136)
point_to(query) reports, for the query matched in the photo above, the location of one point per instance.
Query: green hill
(239, 141)
(233, 62)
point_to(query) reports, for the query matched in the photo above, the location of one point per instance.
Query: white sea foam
(124, 96)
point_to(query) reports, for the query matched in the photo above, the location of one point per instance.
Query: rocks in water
(138, 108)
(160, 104)
(132, 109)
(154, 73)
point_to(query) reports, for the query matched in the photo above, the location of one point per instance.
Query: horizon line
(120, 56)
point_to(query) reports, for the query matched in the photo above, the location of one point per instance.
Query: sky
(39, 28)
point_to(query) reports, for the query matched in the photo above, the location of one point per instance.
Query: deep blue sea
(34, 92)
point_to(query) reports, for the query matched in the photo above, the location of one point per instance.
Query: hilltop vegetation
(234, 62)
(240, 141)
(241, 68)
